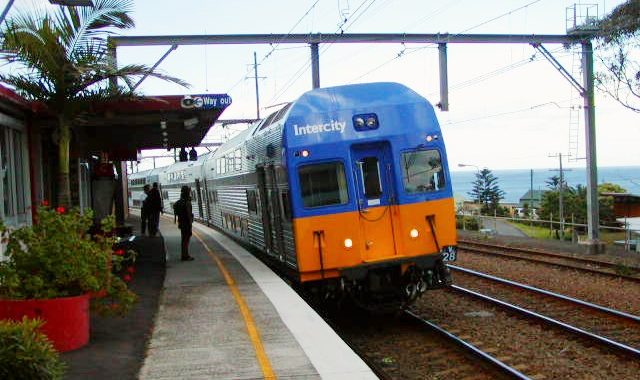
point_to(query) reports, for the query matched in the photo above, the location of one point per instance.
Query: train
(346, 190)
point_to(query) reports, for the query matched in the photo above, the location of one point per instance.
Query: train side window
(286, 204)
(252, 202)
(323, 184)
(370, 176)
(422, 171)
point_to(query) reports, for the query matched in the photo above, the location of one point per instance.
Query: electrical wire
(341, 28)
(556, 103)
(274, 48)
(473, 27)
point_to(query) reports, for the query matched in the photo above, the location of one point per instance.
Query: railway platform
(225, 315)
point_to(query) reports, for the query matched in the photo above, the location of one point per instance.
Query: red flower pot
(66, 319)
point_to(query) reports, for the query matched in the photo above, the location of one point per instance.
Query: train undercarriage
(384, 287)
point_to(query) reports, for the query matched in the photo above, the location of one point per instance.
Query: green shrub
(468, 222)
(57, 257)
(25, 353)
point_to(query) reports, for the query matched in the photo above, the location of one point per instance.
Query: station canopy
(122, 128)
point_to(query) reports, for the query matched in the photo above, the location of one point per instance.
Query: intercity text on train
(333, 126)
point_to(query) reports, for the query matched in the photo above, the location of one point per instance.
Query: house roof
(623, 197)
(537, 195)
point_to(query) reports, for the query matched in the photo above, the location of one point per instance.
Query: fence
(568, 231)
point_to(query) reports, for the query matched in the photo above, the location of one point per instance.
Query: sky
(509, 107)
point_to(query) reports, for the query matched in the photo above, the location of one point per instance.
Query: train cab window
(370, 176)
(422, 171)
(323, 184)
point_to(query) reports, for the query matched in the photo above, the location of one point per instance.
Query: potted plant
(55, 269)
(25, 353)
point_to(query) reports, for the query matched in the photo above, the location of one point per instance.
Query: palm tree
(62, 61)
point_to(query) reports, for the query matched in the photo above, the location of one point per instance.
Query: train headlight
(348, 243)
(365, 121)
(414, 233)
(304, 153)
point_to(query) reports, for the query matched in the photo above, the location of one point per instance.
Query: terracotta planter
(66, 319)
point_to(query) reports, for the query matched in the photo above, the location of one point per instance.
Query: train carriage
(348, 187)
(136, 184)
(187, 173)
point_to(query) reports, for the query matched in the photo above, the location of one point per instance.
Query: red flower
(131, 270)
(119, 252)
(45, 203)
(127, 278)
(60, 210)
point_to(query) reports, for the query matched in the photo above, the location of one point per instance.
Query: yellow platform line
(252, 329)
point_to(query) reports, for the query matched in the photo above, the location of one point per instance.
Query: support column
(444, 78)
(315, 65)
(593, 218)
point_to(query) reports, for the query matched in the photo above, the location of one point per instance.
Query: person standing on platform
(182, 210)
(155, 208)
(144, 210)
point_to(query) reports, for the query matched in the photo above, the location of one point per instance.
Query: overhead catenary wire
(555, 103)
(341, 28)
(275, 47)
(458, 33)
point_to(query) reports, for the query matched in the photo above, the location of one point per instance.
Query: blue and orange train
(347, 189)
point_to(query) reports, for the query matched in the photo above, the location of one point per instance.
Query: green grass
(534, 231)
(544, 233)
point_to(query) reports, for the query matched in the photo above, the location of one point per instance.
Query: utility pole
(256, 77)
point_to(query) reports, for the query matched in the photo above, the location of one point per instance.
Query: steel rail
(603, 309)
(541, 261)
(469, 347)
(583, 333)
(538, 252)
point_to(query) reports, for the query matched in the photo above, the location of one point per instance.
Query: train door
(199, 195)
(271, 217)
(264, 207)
(375, 195)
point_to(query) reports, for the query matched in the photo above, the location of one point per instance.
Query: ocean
(516, 182)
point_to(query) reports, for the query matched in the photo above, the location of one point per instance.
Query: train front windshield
(422, 171)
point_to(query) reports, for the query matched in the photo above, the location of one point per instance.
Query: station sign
(206, 102)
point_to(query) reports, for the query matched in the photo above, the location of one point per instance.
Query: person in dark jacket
(155, 208)
(144, 210)
(182, 210)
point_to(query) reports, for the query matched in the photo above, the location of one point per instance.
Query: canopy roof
(122, 128)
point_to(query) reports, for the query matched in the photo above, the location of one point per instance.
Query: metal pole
(255, 74)
(531, 195)
(561, 198)
(6, 10)
(593, 220)
(315, 65)
(155, 66)
(444, 78)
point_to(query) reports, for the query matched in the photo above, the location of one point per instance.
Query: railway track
(552, 258)
(407, 346)
(607, 327)
(536, 345)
